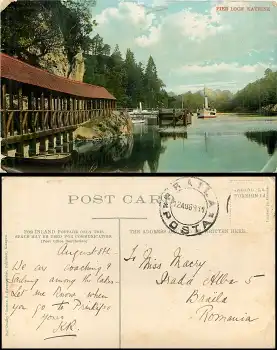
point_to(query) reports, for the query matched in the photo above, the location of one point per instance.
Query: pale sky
(191, 42)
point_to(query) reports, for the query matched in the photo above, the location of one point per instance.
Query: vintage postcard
(138, 86)
(138, 262)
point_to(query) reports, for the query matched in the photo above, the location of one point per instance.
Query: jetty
(174, 117)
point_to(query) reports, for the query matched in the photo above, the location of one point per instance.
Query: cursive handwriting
(88, 306)
(179, 262)
(17, 278)
(219, 278)
(70, 287)
(149, 262)
(64, 250)
(206, 315)
(166, 278)
(66, 326)
(200, 298)
(17, 307)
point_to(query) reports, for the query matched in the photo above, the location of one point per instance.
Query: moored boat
(6, 169)
(46, 159)
(206, 111)
(138, 121)
(143, 112)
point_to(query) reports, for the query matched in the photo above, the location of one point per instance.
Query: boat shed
(34, 100)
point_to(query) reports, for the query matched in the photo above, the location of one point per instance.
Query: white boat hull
(206, 113)
(138, 121)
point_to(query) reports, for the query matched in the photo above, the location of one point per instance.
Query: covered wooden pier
(40, 110)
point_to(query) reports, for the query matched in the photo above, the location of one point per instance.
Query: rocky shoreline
(114, 125)
(269, 109)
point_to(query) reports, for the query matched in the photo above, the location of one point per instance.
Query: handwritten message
(81, 283)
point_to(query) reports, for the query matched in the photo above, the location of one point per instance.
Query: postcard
(92, 262)
(140, 86)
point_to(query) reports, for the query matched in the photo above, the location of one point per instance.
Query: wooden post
(11, 108)
(20, 107)
(41, 120)
(30, 110)
(65, 114)
(51, 111)
(75, 111)
(93, 108)
(160, 118)
(184, 118)
(79, 110)
(59, 108)
(68, 106)
(63, 110)
(174, 118)
(4, 112)
(86, 109)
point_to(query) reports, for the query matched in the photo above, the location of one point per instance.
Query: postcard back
(138, 262)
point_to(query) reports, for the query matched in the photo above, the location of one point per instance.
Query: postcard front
(138, 262)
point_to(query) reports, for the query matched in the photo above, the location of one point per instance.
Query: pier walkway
(40, 110)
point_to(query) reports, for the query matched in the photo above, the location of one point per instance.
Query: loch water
(228, 143)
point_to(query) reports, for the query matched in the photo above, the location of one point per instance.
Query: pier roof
(15, 69)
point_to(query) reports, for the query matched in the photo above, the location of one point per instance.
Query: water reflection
(149, 150)
(201, 148)
(266, 138)
(136, 153)
(88, 156)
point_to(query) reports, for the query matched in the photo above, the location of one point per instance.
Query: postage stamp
(189, 206)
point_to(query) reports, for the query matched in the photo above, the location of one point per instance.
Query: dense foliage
(128, 80)
(31, 29)
(254, 96)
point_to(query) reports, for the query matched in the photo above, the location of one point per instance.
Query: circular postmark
(189, 206)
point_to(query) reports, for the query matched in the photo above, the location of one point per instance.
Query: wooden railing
(22, 122)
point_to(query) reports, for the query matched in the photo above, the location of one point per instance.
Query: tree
(32, 29)
(153, 85)
(117, 76)
(256, 95)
